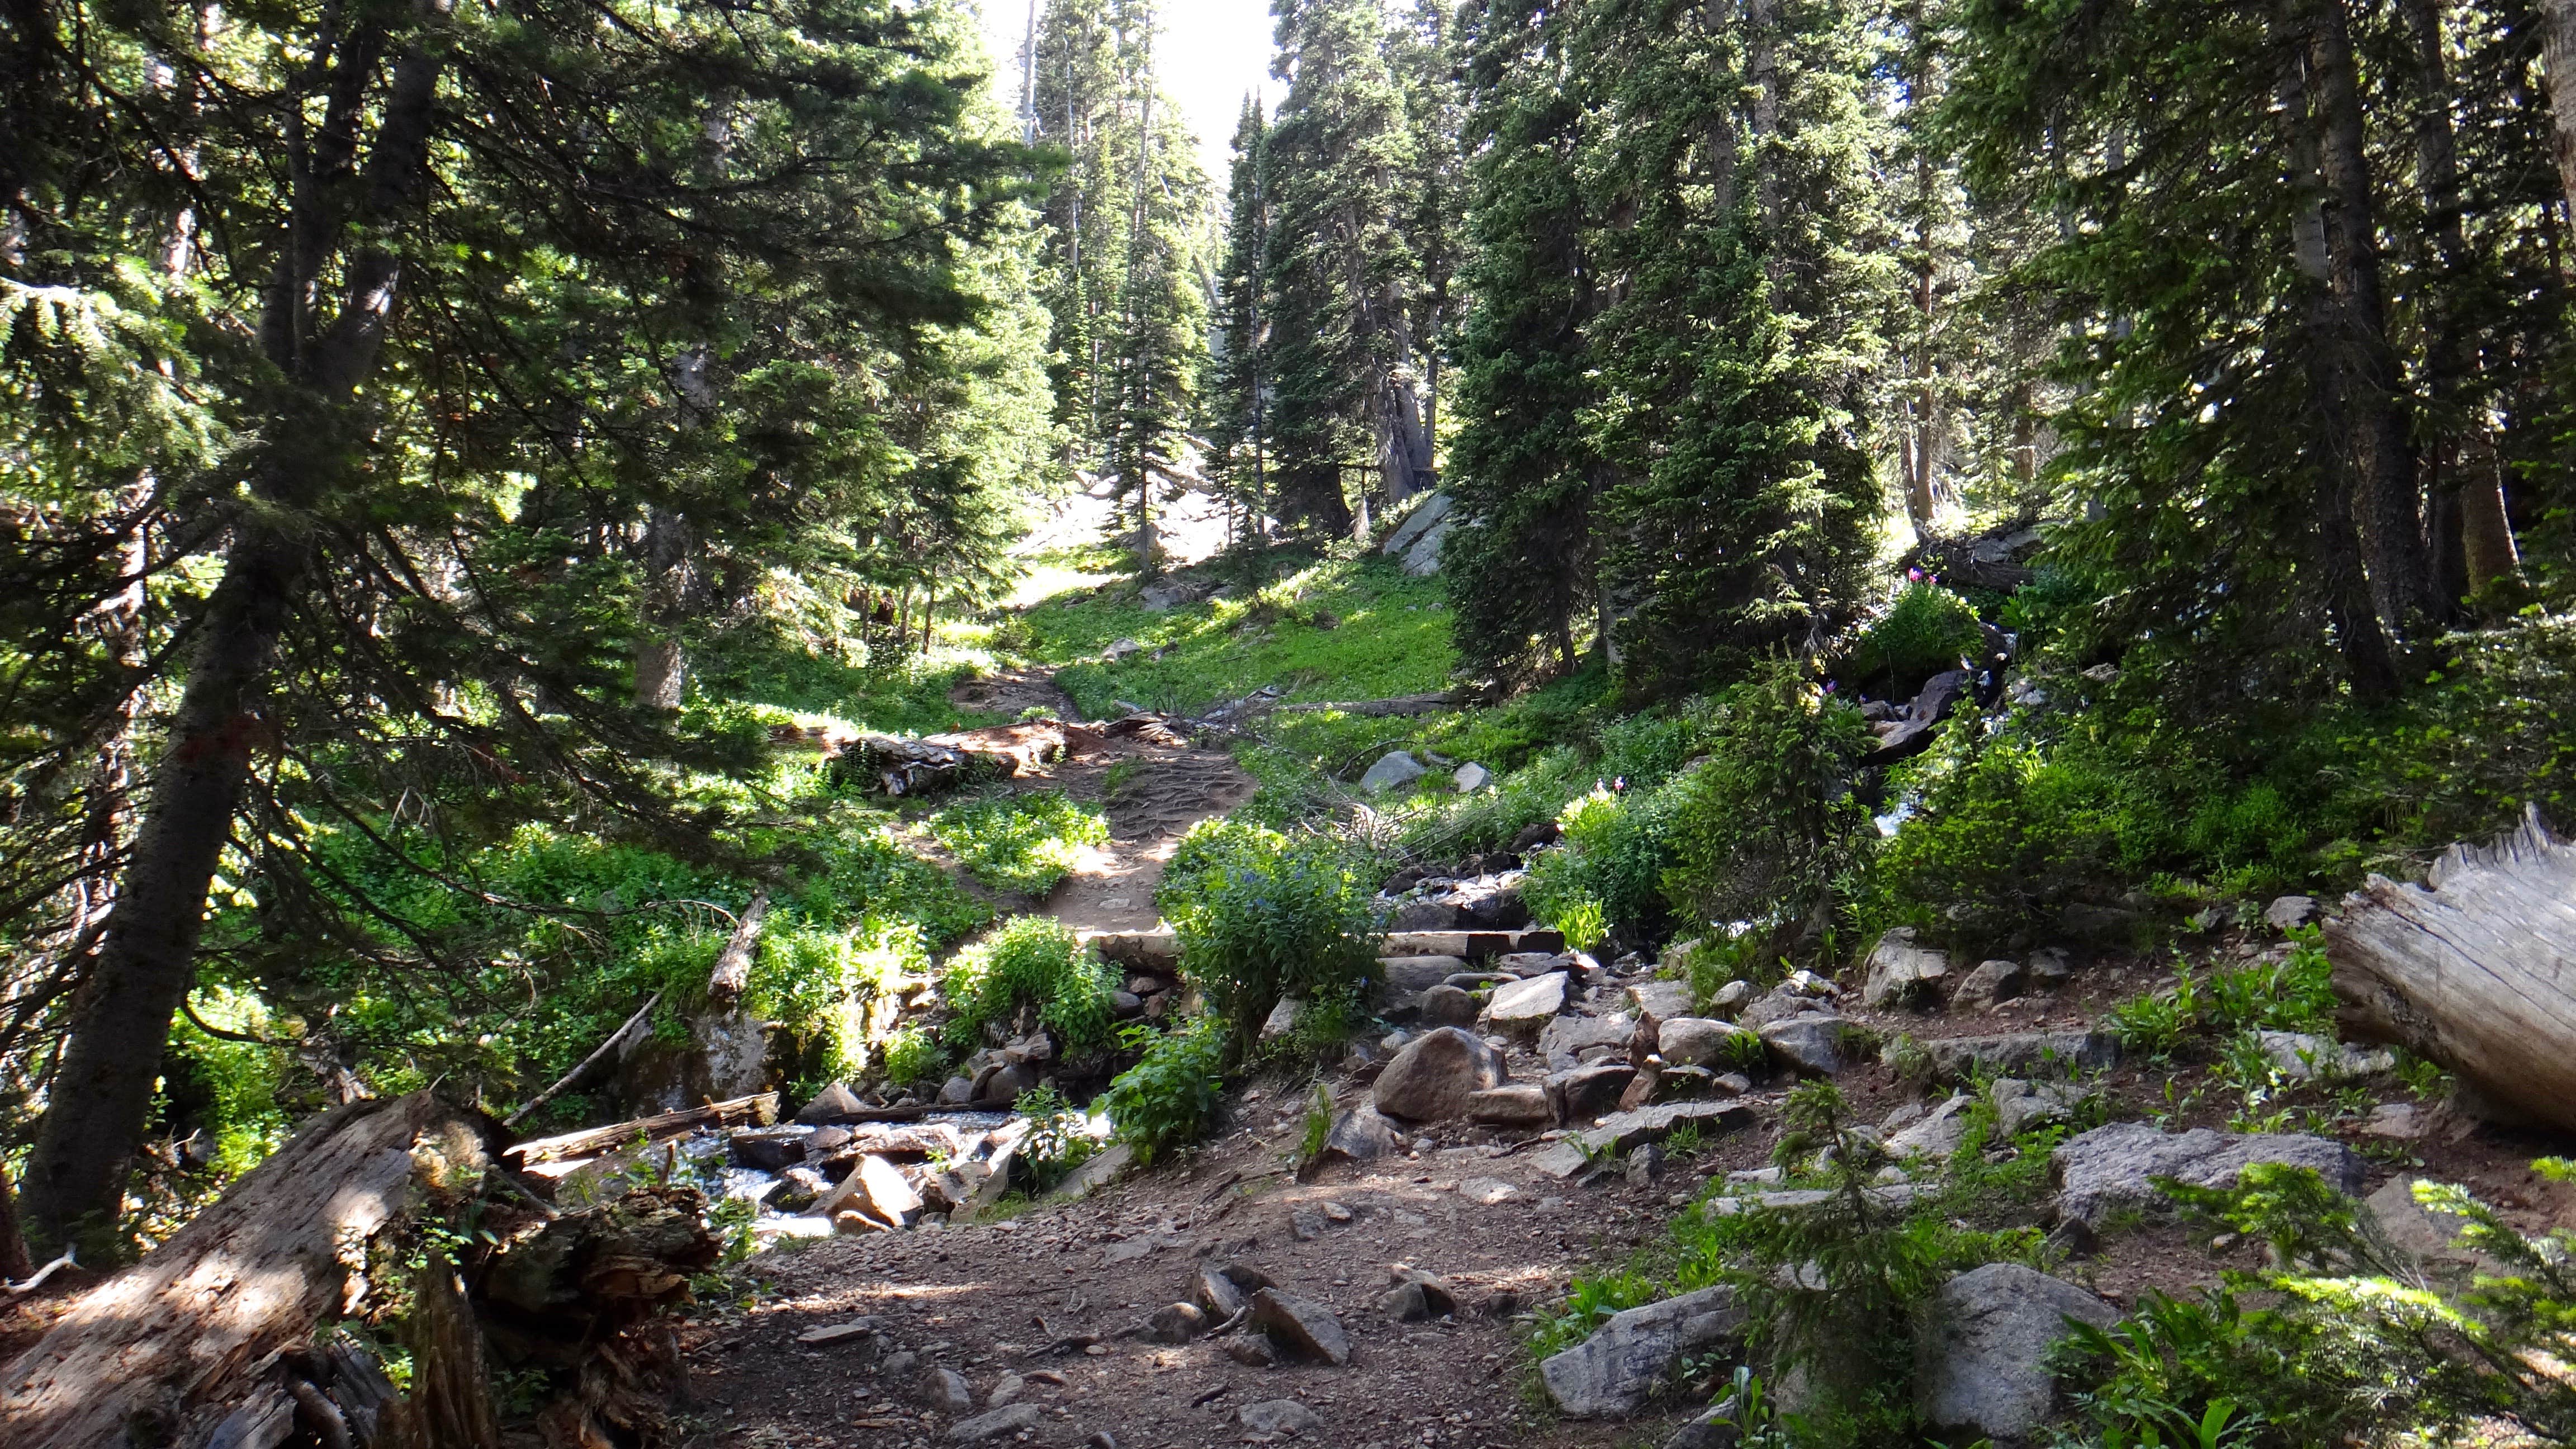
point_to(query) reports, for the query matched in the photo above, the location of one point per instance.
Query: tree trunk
(661, 661)
(2476, 970)
(2486, 530)
(2558, 58)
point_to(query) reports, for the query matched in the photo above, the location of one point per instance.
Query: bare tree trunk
(2558, 58)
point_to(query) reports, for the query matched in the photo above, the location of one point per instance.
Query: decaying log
(197, 1328)
(2475, 970)
(606, 1049)
(758, 1110)
(733, 964)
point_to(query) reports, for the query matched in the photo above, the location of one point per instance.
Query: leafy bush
(911, 1057)
(1031, 961)
(1059, 1137)
(1020, 842)
(1765, 828)
(819, 982)
(2350, 1339)
(1167, 1099)
(1261, 916)
(1925, 630)
(1611, 860)
(2293, 994)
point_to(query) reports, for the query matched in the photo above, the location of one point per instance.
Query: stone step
(1469, 944)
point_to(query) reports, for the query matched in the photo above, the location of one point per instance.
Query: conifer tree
(1238, 397)
(1342, 276)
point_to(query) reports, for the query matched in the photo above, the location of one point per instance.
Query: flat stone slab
(1624, 1132)
(1612, 1373)
(1525, 1007)
(1661, 1000)
(2023, 1054)
(2115, 1167)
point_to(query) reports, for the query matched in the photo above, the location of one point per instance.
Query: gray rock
(1424, 915)
(1393, 771)
(1126, 1004)
(1417, 1297)
(956, 1092)
(1714, 1428)
(1587, 1092)
(1002, 1085)
(2114, 1167)
(1612, 1373)
(1412, 975)
(1472, 778)
(944, 1389)
(1731, 997)
(1165, 594)
(1780, 1003)
(1426, 516)
(2023, 1054)
(1894, 1197)
(1280, 1417)
(1624, 1132)
(1902, 973)
(1519, 1104)
(1006, 1390)
(1563, 1040)
(1523, 1008)
(832, 1104)
(1282, 1020)
(2288, 912)
(1981, 1349)
(1301, 1328)
(999, 1424)
(1446, 1005)
(1490, 903)
(1226, 1291)
(1252, 1350)
(875, 1187)
(1431, 1079)
(1699, 1041)
(1992, 982)
(1936, 1134)
(2428, 1239)
(1811, 1045)
(2300, 1057)
(1660, 999)
(1359, 1135)
(2021, 1105)
(2050, 965)
(1097, 1173)
(1645, 1164)
(768, 1149)
(1487, 1191)
(899, 1365)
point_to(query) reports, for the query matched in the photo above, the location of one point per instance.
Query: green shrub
(2293, 994)
(1031, 961)
(1167, 1099)
(1020, 842)
(1261, 916)
(1611, 859)
(1925, 630)
(1059, 1137)
(912, 1057)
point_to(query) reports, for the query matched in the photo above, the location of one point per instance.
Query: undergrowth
(1020, 842)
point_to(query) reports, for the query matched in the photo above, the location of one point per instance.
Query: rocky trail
(1536, 1114)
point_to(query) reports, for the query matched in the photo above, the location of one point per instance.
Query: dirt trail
(1152, 793)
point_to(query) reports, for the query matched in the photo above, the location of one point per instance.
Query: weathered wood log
(605, 1050)
(175, 1344)
(2475, 970)
(733, 964)
(760, 1109)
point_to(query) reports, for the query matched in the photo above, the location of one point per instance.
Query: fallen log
(1407, 704)
(606, 1049)
(760, 1110)
(2475, 970)
(733, 964)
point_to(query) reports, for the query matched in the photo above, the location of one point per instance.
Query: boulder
(999, 1424)
(956, 1092)
(1280, 1418)
(1098, 1172)
(1587, 1092)
(1563, 1040)
(875, 1187)
(1394, 770)
(2290, 912)
(1524, 1007)
(1301, 1327)
(1780, 1003)
(1982, 1344)
(2428, 1240)
(1514, 1105)
(2300, 1057)
(1472, 778)
(2023, 1054)
(1226, 1291)
(1902, 973)
(1163, 594)
(831, 1105)
(1359, 1135)
(2022, 1105)
(1811, 1045)
(1424, 518)
(1432, 1077)
(1936, 1134)
(1412, 975)
(2115, 1167)
(1699, 1041)
(1612, 1373)
(1661, 1000)
(1992, 982)
(1446, 1005)
(1490, 903)
(1426, 914)
(768, 1149)
(2051, 965)
(1731, 997)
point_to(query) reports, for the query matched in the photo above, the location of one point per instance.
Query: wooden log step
(760, 1110)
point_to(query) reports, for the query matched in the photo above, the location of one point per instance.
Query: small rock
(859, 1328)
(1661, 1000)
(1715, 1428)
(1006, 1390)
(1358, 1135)
(1520, 1105)
(1411, 975)
(1226, 1291)
(1564, 1040)
(2021, 1106)
(2402, 1121)
(1472, 778)
(1992, 982)
(1981, 1352)
(1937, 1133)
(1731, 997)
(1734, 1083)
(1811, 1045)
(1280, 1417)
(945, 1389)
(1431, 1079)
(1251, 1350)
(1645, 1164)
(1120, 650)
(1524, 1007)
(900, 1364)
(1301, 1327)
(1419, 1298)
(1446, 1005)
(2051, 965)
(1699, 1041)
(2301, 1057)
(2290, 912)
(1393, 771)
(1902, 973)
(999, 1424)
(831, 1104)
(1175, 1323)
(1487, 1191)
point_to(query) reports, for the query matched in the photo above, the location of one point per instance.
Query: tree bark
(2473, 969)
(2558, 58)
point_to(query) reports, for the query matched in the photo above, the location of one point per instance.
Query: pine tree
(1342, 278)
(1162, 312)
(1237, 423)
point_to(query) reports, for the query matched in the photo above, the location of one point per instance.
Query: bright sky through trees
(1212, 52)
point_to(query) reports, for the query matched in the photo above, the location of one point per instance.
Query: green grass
(1391, 637)
(1020, 842)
